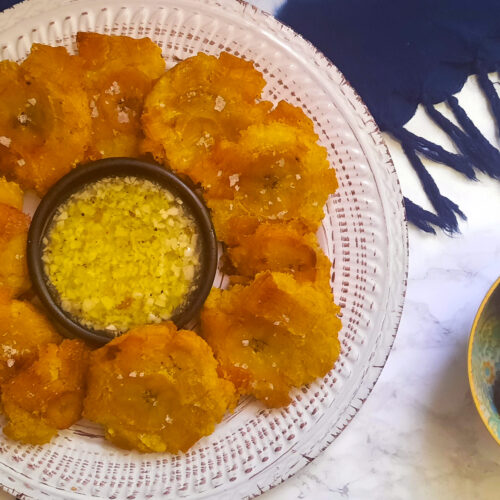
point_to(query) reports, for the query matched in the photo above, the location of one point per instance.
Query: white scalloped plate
(364, 234)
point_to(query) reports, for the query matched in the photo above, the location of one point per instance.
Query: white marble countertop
(419, 435)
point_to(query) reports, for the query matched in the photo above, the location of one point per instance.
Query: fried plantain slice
(112, 53)
(289, 114)
(199, 102)
(119, 72)
(272, 335)
(281, 248)
(11, 194)
(14, 225)
(156, 389)
(44, 117)
(23, 330)
(47, 395)
(282, 175)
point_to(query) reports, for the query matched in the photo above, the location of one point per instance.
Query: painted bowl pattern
(484, 359)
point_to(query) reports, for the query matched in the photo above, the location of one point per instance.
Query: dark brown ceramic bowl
(92, 172)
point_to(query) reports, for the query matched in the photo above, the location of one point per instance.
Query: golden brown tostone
(272, 335)
(44, 119)
(47, 395)
(14, 225)
(198, 103)
(280, 247)
(156, 389)
(119, 72)
(23, 330)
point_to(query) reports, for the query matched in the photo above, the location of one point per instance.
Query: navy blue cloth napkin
(401, 53)
(5, 4)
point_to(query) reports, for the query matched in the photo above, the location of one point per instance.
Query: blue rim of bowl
(92, 172)
(472, 384)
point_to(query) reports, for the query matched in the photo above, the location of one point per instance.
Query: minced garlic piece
(220, 103)
(122, 252)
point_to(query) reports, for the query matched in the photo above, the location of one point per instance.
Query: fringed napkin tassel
(475, 152)
(446, 210)
(489, 91)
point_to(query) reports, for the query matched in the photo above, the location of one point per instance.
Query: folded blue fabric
(398, 54)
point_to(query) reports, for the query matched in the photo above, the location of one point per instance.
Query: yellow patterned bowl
(483, 359)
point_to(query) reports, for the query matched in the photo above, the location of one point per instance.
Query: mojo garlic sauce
(122, 252)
